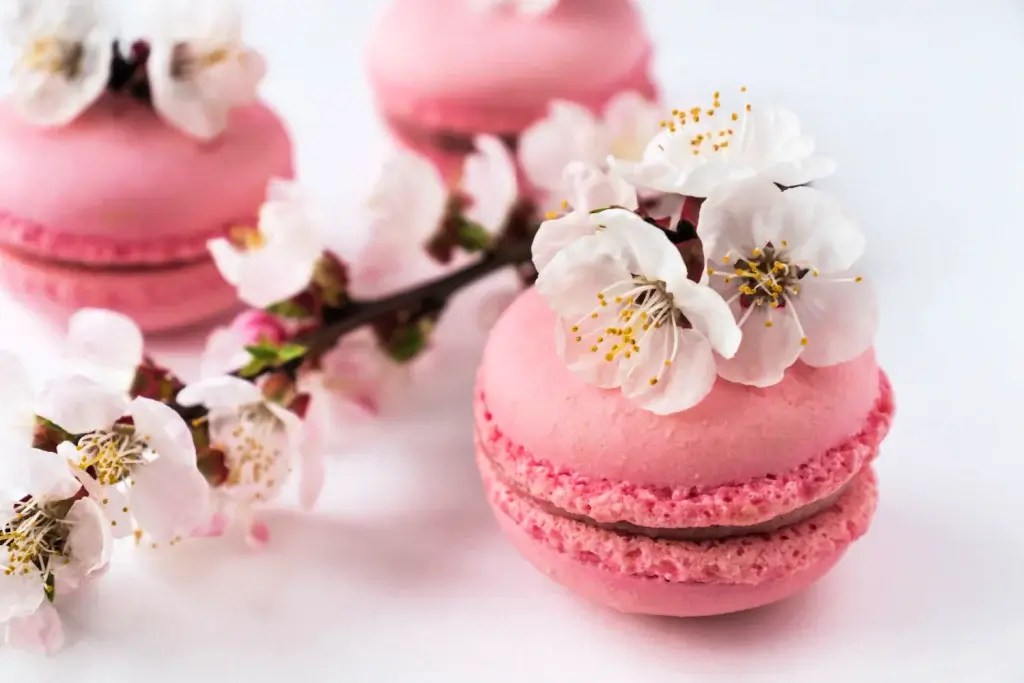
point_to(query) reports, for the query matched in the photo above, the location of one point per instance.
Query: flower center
(253, 450)
(186, 62)
(711, 128)
(111, 455)
(637, 308)
(766, 277)
(54, 56)
(246, 238)
(33, 538)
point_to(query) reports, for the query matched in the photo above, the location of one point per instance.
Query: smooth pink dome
(737, 434)
(120, 184)
(443, 64)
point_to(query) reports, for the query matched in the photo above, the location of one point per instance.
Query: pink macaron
(445, 71)
(114, 210)
(741, 501)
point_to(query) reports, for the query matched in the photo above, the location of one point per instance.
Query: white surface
(403, 576)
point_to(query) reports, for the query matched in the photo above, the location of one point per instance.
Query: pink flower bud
(255, 326)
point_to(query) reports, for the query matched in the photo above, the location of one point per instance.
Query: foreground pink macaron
(447, 70)
(115, 209)
(743, 500)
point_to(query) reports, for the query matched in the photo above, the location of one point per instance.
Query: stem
(356, 314)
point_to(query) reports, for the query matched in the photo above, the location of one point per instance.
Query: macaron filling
(442, 139)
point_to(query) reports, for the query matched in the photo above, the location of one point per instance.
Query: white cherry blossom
(50, 541)
(141, 470)
(275, 260)
(17, 417)
(489, 181)
(629, 318)
(703, 147)
(262, 442)
(63, 52)
(785, 262)
(199, 67)
(572, 133)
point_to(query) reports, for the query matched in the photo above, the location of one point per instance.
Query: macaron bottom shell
(158, 298)
(639, 575)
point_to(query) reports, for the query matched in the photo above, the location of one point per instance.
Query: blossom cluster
(193, 65)
(659, 307)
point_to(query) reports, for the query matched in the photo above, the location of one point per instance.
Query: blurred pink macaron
(741, 501)
(115, 209)
(445, 71)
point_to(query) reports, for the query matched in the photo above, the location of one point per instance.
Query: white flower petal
(576, 274)
(48, 96)
(555, 235)
(225, 74)
(169, 498)
(818, 229)
(90, 540)
(20, 594)
(228, 260)
(79, 405)
(43, 475)
(728, 217)
(406, 203)
(268, 277)
(645, 248)
(569, 133)
(163, 430)
(766, 351)
(105, 346)
(839, 319)
(591, 188)
(681, 385)
(17, 417)
(631, 122)
(489, 180)
(220, 393)
(110, 499)
(709, 314)
(40, 632)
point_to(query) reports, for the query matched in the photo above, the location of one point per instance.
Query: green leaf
(292, 310)
(473, 237)
(254, 367)
(263, 351)
(290, 352)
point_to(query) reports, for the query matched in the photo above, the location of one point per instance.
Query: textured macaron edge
(52, 244)
(750, 559)
(739, 504)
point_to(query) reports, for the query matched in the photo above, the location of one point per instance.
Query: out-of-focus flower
(199, 67)
(262, 442)
(591, 190)
(104, 346)
(225, 349)
(276, 260)
(704, 147)
(572, 134)
(64, 50)
(784, 262)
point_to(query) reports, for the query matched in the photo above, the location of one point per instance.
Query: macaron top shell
(120, 185)
(449, 65)
(736, 434)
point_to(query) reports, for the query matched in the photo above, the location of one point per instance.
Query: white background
(402, 576)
